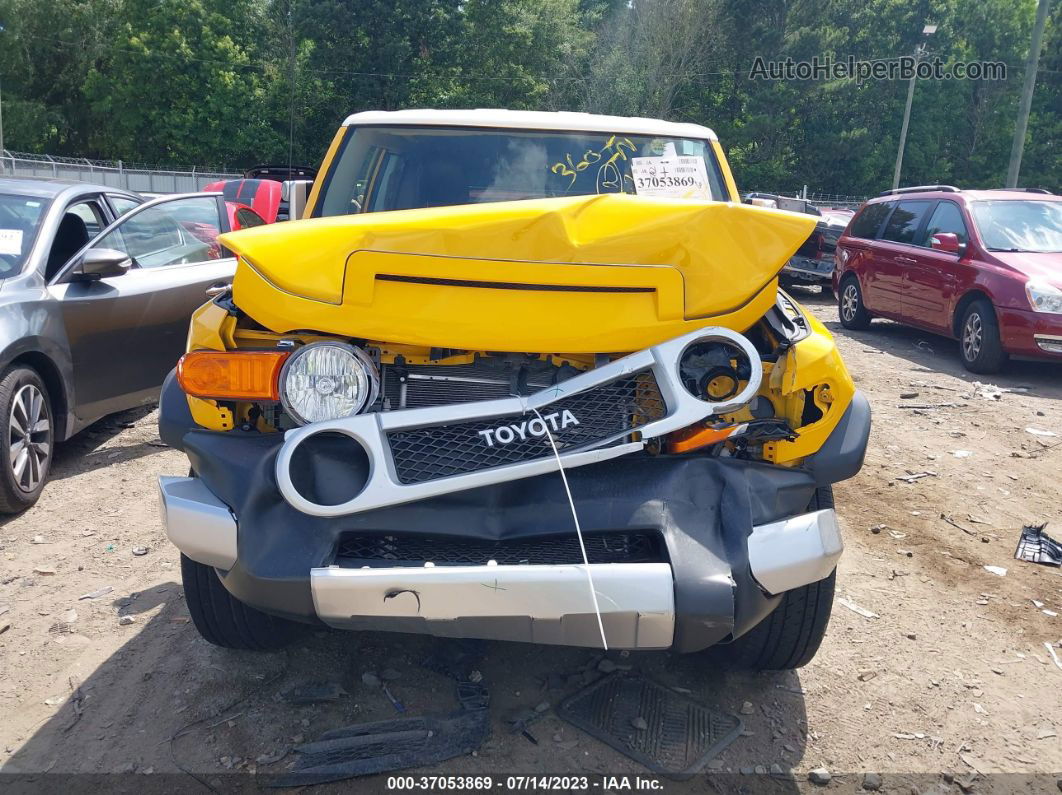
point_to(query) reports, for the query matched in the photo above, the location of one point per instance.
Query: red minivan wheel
(980, 347)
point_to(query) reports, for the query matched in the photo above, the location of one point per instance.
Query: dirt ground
(950, 679)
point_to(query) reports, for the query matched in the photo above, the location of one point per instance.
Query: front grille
(614, 547)
(610, 410)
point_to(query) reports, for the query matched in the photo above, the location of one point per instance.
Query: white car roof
(533, 120)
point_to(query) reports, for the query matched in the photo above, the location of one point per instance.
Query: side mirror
(101, 263)
(948, 242)
(295, 192)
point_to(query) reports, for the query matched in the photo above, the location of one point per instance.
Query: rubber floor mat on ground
(667, 732)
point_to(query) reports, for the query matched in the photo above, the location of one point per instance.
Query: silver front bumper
(536, 604)
(197, 522)
(796, 551)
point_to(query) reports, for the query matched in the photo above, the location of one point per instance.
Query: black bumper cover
(703, 508)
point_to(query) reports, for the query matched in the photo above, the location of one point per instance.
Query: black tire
(980, 347)
(24, 404)
(791, 635)
(224, 620)
(854, 314)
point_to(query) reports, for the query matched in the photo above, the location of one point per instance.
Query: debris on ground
(927, 406)
(125, 621)
(955, 524)
(398, 705)
(820, 776)
(139, 551)
(1040, 432)
(856, 608)
(999, 571)
(871, 782)
(1054, 657)
(987, 391)
(680, 735)
(315, 693)
(271, 758)
(458, 659)
(1035, 546)
(911, 477)
(96, 594)
(396, 744)
(519, 722)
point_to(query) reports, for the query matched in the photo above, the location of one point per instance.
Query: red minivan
(981, 266)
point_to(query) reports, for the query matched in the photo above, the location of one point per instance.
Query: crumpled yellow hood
(607, 273)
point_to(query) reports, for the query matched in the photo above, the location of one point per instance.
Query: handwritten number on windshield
(609, 175)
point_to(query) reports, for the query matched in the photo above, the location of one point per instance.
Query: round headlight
(327, 381)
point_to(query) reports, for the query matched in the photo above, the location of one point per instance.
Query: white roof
(533, 120)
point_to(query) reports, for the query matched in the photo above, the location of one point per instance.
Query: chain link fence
(839, 200)
(114, 173)
(835, 200)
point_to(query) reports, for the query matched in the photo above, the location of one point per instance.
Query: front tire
(224, 620)
(980, 346)
(26, 427)
(791, 635)
(854, 314)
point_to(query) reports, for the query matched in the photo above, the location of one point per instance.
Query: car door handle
(217, 289)
(905, 260)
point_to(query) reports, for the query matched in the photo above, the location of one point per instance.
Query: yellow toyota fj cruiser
(522, 376)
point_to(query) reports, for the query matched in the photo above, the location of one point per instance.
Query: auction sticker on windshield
(674, 177)
(11, 241)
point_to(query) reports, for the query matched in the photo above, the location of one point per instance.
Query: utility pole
(1025, 104)
(927, 31)
(1, 116)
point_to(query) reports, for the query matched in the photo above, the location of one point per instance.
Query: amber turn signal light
(231, 375)
(694, 439)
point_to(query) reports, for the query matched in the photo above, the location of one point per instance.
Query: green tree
(182, 83)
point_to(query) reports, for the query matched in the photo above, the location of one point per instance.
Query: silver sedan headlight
(327, 381)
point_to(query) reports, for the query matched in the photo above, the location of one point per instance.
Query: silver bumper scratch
(537, 604)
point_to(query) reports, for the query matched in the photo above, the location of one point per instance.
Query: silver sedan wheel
(849, 302)
(29, 438)
(972, 337)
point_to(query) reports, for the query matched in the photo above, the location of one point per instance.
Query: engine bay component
(715, 370)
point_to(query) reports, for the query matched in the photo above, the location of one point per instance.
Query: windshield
(399, 168)
(1019, 225)
(20, 217)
